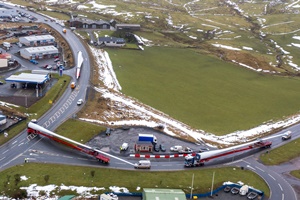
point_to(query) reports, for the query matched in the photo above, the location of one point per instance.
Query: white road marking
(233, 162)
(5, 151)
(247, 162)
(282, 196)
(272, 177)
(260, 169)
(251, 167)
(2, 158)
(20, 144)
(280, 186)
(14, 142)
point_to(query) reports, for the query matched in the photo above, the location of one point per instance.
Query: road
(46, 151)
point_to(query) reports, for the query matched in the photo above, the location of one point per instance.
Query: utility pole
(212, 184)
(192, 186)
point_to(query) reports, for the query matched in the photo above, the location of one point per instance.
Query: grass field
(282, 154)
(203, 91)
(82, 176)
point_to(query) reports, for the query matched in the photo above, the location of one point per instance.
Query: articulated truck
(198, 159)
(34, 129)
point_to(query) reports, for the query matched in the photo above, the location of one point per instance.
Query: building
(143, 146)
(38, 40)
(2, 119)
(163, 194)
(89, 24)
(39, 52)
(111, 41)
(128, 27)
(6, 12)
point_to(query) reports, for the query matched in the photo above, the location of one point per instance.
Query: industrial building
(38, 40)
(39, 52)
(6, 12)
(2, 119)
(163, 194)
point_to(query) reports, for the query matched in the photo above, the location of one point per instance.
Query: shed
(163, 194)
(111, 41)
(37, 40)
(2, 119)
(39, 52)
(143, 146)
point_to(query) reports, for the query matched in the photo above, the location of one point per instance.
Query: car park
(79, 102)
(34, 61)
(162, 147)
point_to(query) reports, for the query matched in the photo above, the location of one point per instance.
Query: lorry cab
(73, 85)
(143, 164)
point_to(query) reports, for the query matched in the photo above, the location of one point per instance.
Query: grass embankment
(82, 176)
(40, 107)
(282, 154)
(203, 91)
(79, 131)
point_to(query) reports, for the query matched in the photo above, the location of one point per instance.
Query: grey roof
(89, 21)
(42, 49)
(38, 37)
(28, 78)
(111, 39)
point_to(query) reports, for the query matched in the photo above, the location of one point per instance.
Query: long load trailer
(33, 128)
(200, 158)
(79, 64)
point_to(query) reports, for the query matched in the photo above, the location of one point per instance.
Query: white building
(38, 40)
(2, 119)
(6, 12)
(39, 52)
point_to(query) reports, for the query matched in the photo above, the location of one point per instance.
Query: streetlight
(192, 186)
(212, 184)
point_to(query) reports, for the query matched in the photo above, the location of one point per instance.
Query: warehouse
(38, 40)
(39, 52)
(2, 119)
(163, 194)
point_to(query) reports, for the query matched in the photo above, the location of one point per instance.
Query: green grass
(296, 173)
(203, 91)
(282, 154)
(103, 177)
(70, 129)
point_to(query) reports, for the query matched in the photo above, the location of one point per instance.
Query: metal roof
(38, 37)
(28, 78)
(163, 194)
(111, 39)
(42, 49)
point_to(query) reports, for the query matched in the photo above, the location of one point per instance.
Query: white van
(143, 164)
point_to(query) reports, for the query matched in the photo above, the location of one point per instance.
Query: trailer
(34, 129)
(199, 159)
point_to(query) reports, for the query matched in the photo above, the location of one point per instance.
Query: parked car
(34, 61)
(203, 150)
(124, 146)
(156, 148)
(235, 190)
(162, 147)
(79, 102)
(49, 67)
(252, 195)
(56, 59)
(227, 189)
(45, 66)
